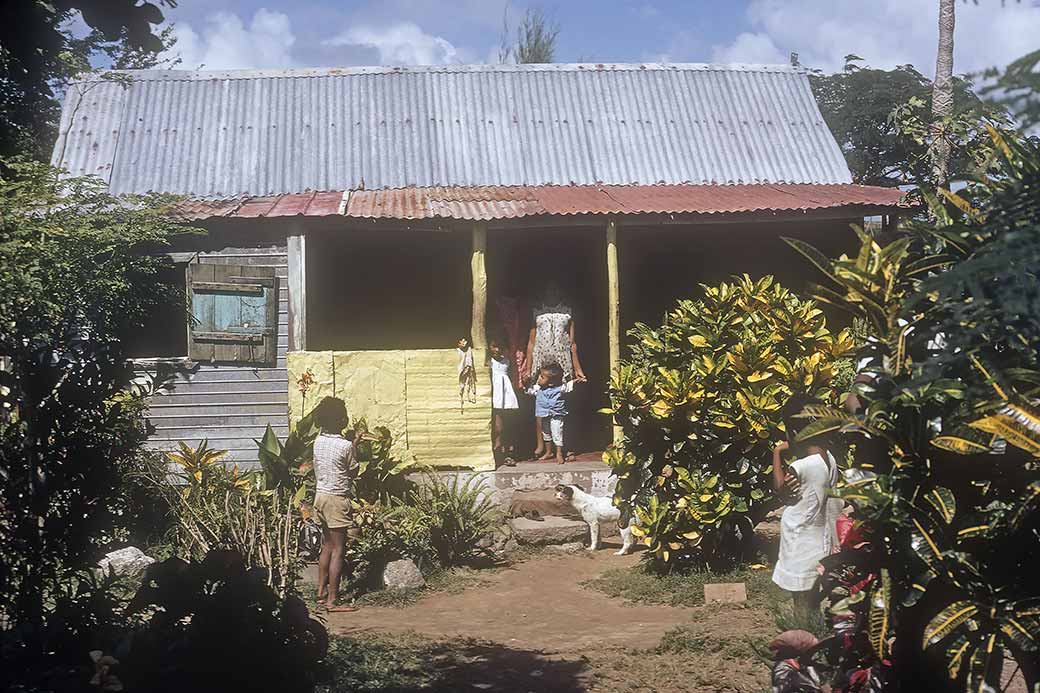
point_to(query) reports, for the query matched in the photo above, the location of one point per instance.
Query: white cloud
(749, 48)
(403, 43)
(885, 33)
(225, 42)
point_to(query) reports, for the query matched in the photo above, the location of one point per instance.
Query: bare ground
(534, 627)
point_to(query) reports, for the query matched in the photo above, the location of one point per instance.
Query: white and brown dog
(596, 509)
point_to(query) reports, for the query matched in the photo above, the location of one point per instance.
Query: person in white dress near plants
(808, 530)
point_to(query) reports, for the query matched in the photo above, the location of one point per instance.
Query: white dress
(552, 341)
(502, 394)
(807, 529)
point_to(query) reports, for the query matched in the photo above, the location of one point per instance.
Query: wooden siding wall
(230, 405)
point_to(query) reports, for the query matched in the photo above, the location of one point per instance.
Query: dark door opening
(520, 262)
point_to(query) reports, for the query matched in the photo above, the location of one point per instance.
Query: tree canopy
(859, 105)
(39, 55)
(535, 39)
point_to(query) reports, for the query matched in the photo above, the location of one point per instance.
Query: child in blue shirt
(550, 405)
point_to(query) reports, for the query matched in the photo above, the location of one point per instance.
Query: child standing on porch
(550, 407)
(503, 404)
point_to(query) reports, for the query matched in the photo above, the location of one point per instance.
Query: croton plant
(699, 401)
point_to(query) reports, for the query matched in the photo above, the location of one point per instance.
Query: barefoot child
(550, 406)
(334, 468)
(807, 528)
(503, 402)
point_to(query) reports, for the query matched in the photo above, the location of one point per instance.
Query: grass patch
(786, 619)
(451, 581)
(378, 664)
(687, 640)
(641, 585)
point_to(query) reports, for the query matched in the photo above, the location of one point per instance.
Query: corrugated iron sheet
(487, 203)
(256, 133)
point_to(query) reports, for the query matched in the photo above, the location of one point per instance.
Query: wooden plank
(478, 331)
(725, 593)
(297, 281)
(228, 287)
(202, 312)
(613, 305)
(231, 337)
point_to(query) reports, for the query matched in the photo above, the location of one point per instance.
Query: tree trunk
(942, 95)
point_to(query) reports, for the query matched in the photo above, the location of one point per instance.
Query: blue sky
(230, 34)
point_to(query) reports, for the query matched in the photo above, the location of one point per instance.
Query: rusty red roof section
(512, 202)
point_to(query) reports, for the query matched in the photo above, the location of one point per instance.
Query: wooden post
(613, 305)
(478, 336)
(297, 250)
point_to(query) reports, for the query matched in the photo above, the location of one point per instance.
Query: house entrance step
(555, 530)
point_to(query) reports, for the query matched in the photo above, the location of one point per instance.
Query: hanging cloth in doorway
(467, 375)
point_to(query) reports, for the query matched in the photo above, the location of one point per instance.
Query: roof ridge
(314, 72)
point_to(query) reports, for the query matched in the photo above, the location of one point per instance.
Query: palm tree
(942, 94)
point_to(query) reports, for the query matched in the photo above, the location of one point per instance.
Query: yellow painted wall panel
(372, 383)
(413, 393)
(442, 431)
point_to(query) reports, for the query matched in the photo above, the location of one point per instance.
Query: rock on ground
(128, 561)
(402, 575)
(572, 547)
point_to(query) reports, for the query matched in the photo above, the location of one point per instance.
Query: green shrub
(698, 403)
(217, 507)
(456, 515)
(385, 534)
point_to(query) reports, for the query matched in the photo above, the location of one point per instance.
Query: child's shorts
(552, 430)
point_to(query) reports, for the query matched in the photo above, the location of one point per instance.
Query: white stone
(402, 575)
(128, 561)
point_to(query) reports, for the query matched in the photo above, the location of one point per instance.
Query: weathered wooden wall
(230, 405)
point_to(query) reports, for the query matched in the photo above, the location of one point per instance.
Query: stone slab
(725, 593)
(556, 530)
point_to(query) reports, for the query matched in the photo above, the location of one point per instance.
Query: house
(360, 221)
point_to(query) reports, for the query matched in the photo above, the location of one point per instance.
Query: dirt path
(533, 628)
(537, 605)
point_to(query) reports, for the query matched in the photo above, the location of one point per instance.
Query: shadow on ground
(409, 663)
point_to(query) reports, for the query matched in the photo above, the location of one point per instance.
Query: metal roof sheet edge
(304, 72)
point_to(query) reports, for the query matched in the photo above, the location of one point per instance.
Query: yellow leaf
(758, 566)
(698, 341)
(661, 409)
(693, 534)
(758, 376)
(198, 476)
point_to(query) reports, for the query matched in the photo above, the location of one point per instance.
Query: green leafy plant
(79, 268)
(386, 534)
(455, 514)
(949, 432)
(698, 403)
(214, 625)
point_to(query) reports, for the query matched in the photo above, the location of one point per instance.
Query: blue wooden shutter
(234, 313)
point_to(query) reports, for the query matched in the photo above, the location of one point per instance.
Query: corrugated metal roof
(487, 203)
(250, 133)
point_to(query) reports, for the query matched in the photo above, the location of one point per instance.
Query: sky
(250, 34)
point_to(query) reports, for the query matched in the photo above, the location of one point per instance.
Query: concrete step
(553, 530)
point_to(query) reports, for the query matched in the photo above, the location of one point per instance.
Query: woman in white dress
(551, 340)
(808, 530)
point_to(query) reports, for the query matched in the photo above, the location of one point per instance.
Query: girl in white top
(808, 530)
(503, 401)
